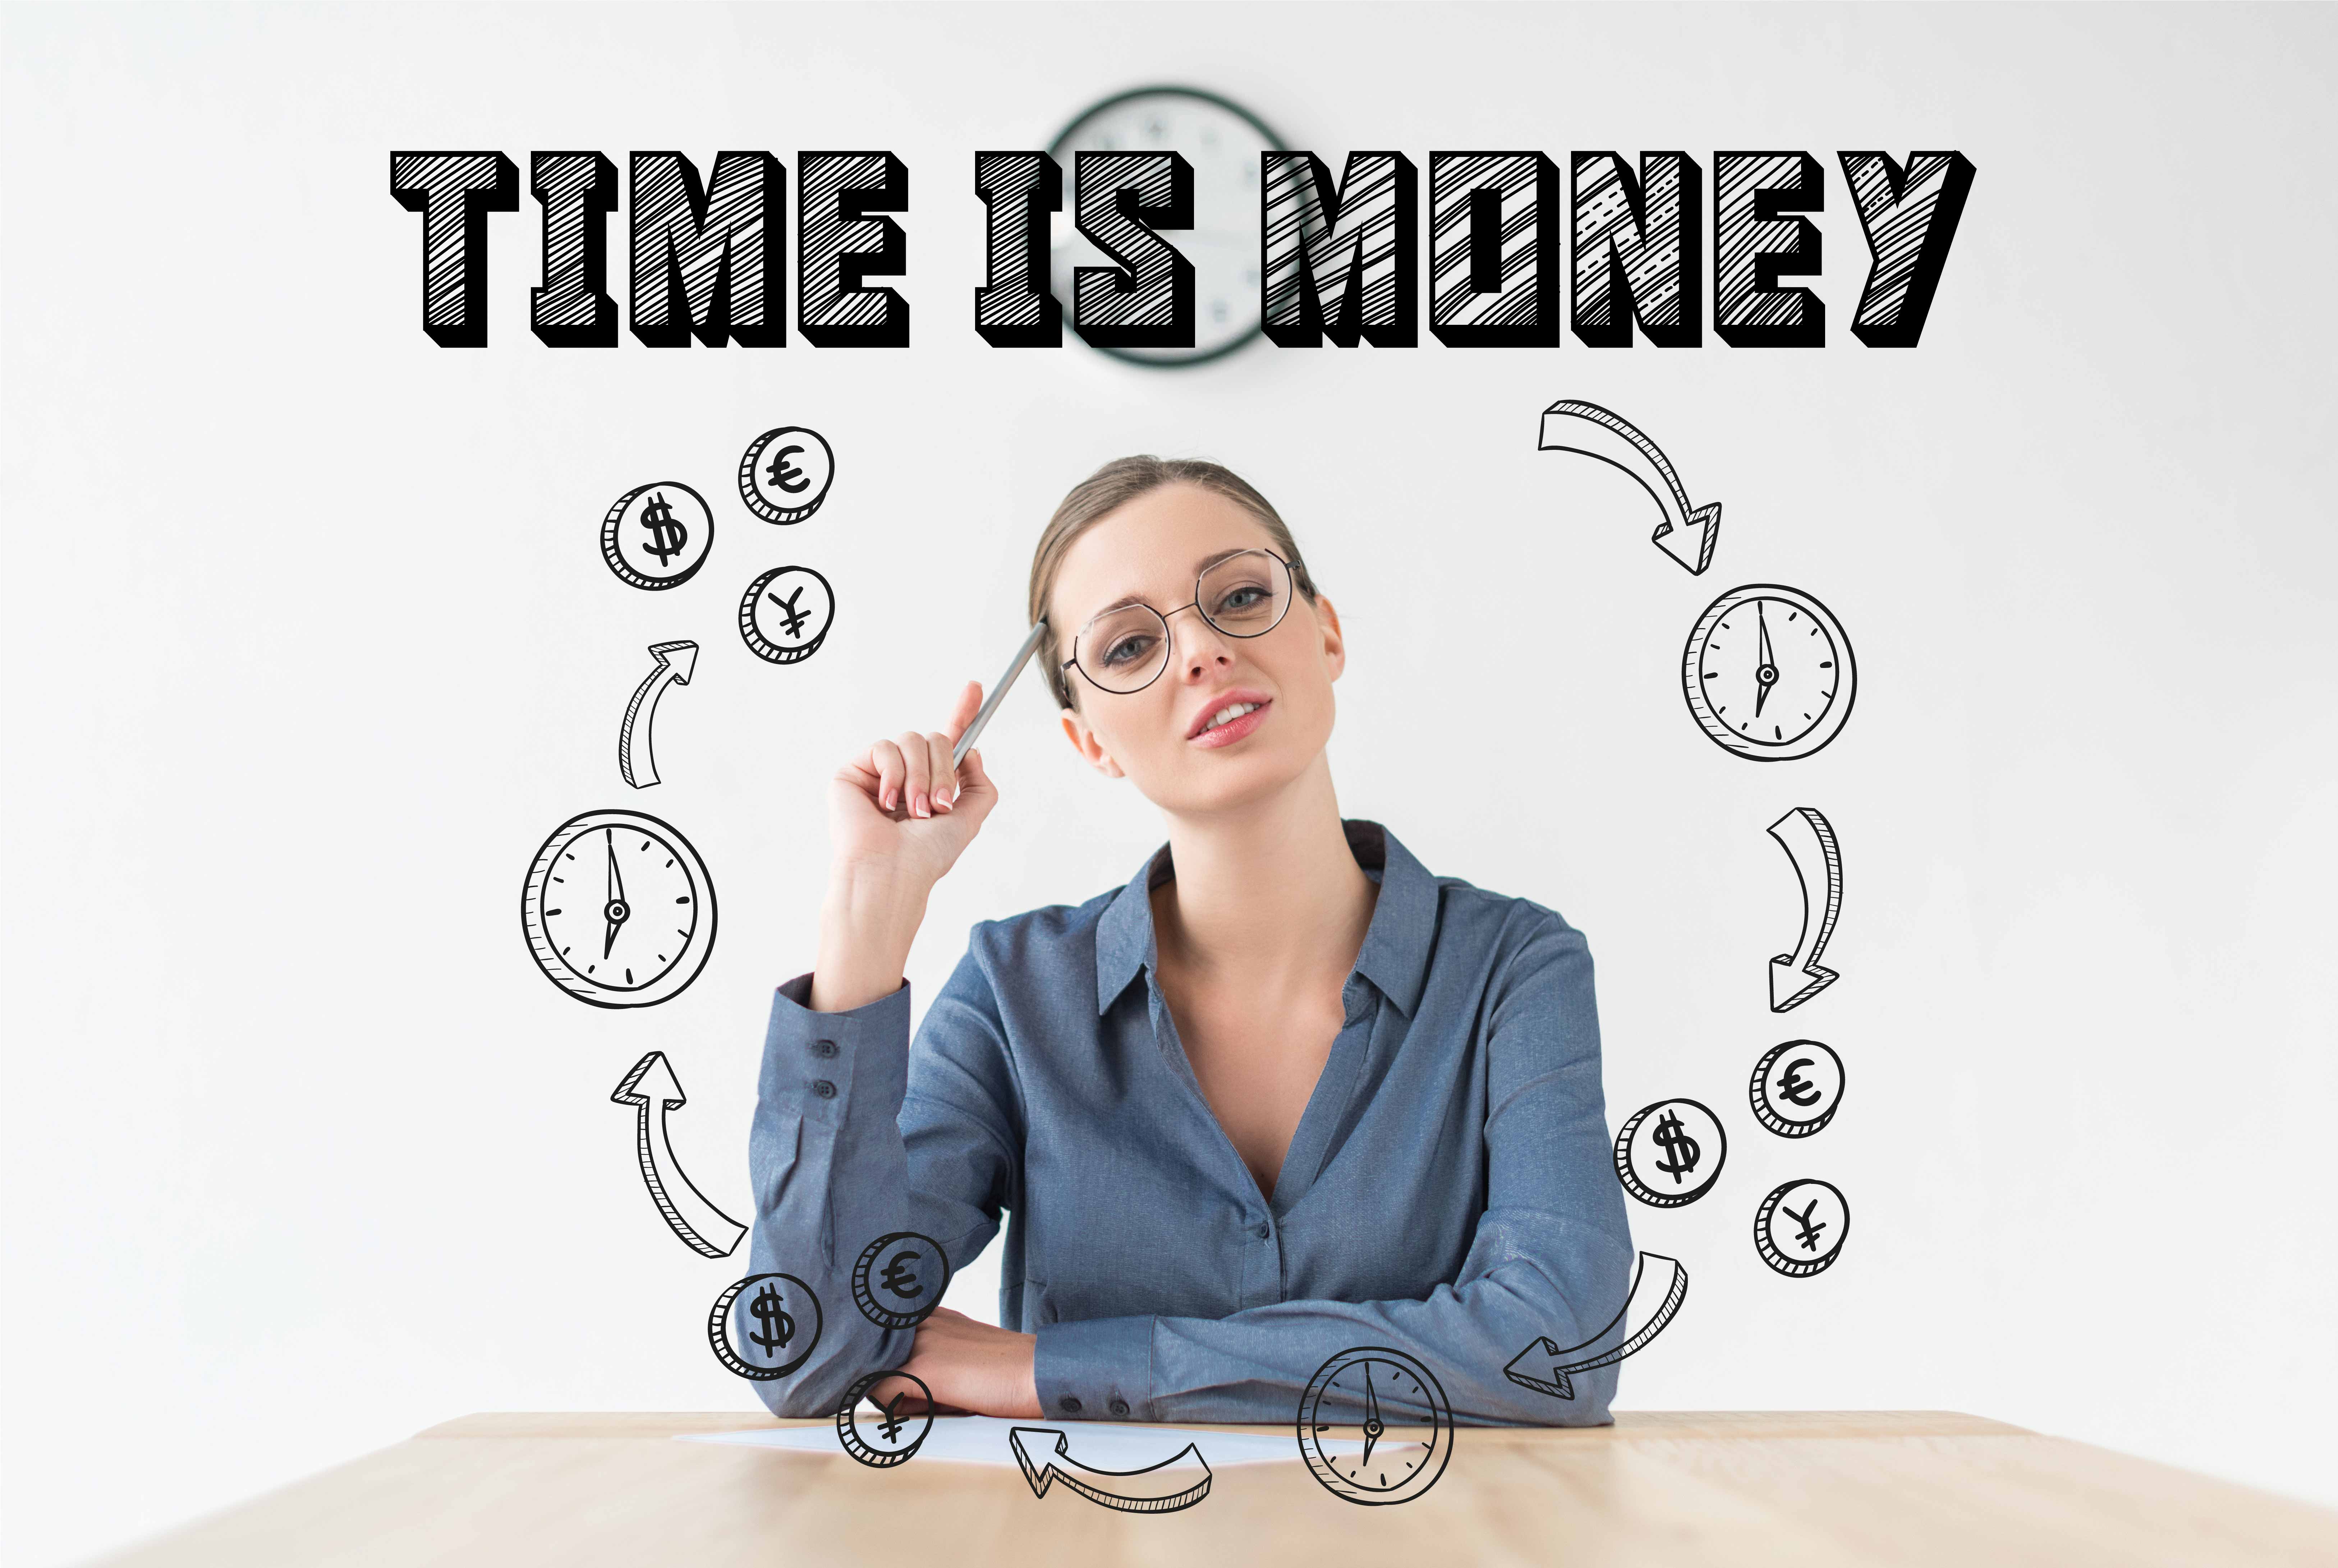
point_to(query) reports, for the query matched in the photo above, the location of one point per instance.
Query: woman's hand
(899, 818)
(970, 1367)
(899, 810)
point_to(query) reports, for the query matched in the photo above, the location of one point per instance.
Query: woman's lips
(1233, 729)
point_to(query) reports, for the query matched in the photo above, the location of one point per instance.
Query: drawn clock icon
(1768, 672)
(618, 910)
(1375, 1379)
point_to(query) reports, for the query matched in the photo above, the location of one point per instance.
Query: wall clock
(1223, 141)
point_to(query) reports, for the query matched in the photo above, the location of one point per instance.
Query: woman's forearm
(867, 923)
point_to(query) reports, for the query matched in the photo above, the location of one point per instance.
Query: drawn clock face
(1388, 1388)
(618, 910)
(1223, 142)
(1768, 672)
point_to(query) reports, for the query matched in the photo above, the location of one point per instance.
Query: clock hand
(614, 911)
(1372, 1427)
(1766, 674)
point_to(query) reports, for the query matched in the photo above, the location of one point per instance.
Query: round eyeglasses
(1125, 650)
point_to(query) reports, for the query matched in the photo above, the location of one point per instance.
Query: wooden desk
(1659, 1489)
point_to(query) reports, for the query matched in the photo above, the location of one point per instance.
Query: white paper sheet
(1099, 1445)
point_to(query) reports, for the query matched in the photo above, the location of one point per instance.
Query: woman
(1284, 1094)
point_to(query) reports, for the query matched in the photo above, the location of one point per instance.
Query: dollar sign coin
(899, 1278)
(785, 475)
(784, 615)
(898, 1430)
(1669, 1154)
(657, 535)
(1800, 1228)
(1796, 1087)
(766, 1326)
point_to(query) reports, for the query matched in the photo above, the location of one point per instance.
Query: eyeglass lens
(1243, 596)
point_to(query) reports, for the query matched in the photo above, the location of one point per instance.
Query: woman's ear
(1335, 646)
(1085, 742)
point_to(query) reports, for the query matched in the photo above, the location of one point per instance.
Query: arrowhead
(1037, 1474)
(1691, 545)
(682, 657)
(1791, 987)
(651, 1082)
(1531, 1368)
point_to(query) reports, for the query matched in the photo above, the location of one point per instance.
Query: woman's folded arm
(832, 1172)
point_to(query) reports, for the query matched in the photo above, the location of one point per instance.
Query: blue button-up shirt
(1449, 1191)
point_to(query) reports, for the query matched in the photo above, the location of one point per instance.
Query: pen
(990, 703)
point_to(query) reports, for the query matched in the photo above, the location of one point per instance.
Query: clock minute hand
(614, 911)
(1372, 1427)
(1766, 674)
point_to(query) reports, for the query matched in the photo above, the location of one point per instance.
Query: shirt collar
(1395, 955)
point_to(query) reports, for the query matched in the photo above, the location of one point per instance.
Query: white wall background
(310, 646)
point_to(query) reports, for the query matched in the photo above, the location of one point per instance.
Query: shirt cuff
(1098, 1370)
(820, 1062)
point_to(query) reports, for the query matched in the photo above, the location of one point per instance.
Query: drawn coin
(1768, 672)
(618, 910)
(657, 535)
(786, 613)
(899, 1280)
(785, 475)
(1384, 1388)
(1796, 1087)
(895, 1434)
(1669, 1154)
(1800, 1227)
(764, 1327)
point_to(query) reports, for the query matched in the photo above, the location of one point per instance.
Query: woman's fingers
(945, 776)
(917, 786)
(892, 773)
(946, 780)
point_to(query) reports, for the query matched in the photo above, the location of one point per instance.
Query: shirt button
(824, 1089)
(823, 1047)
(1069, 1404)
(1120, 1406)
(1263, 1231)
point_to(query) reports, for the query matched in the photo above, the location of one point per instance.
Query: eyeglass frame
(1290, 576)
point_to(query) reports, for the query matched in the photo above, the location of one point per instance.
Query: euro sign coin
(1796, 1087)
(764, 1327)
(897, 1431)
(657, 535)
(1670, 1154)
(786, 473)
(785, 614)
(899, 1278)
(1800, 1228)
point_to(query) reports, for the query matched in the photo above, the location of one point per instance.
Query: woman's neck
(1271, 893)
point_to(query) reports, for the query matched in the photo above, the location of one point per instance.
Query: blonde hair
(1114, 485)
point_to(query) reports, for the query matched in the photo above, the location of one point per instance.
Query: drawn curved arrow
(1687, 533)
(1809, 841)
(1147, 1490)
(1659, 1286)
(652, 1089)
(676, 663)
